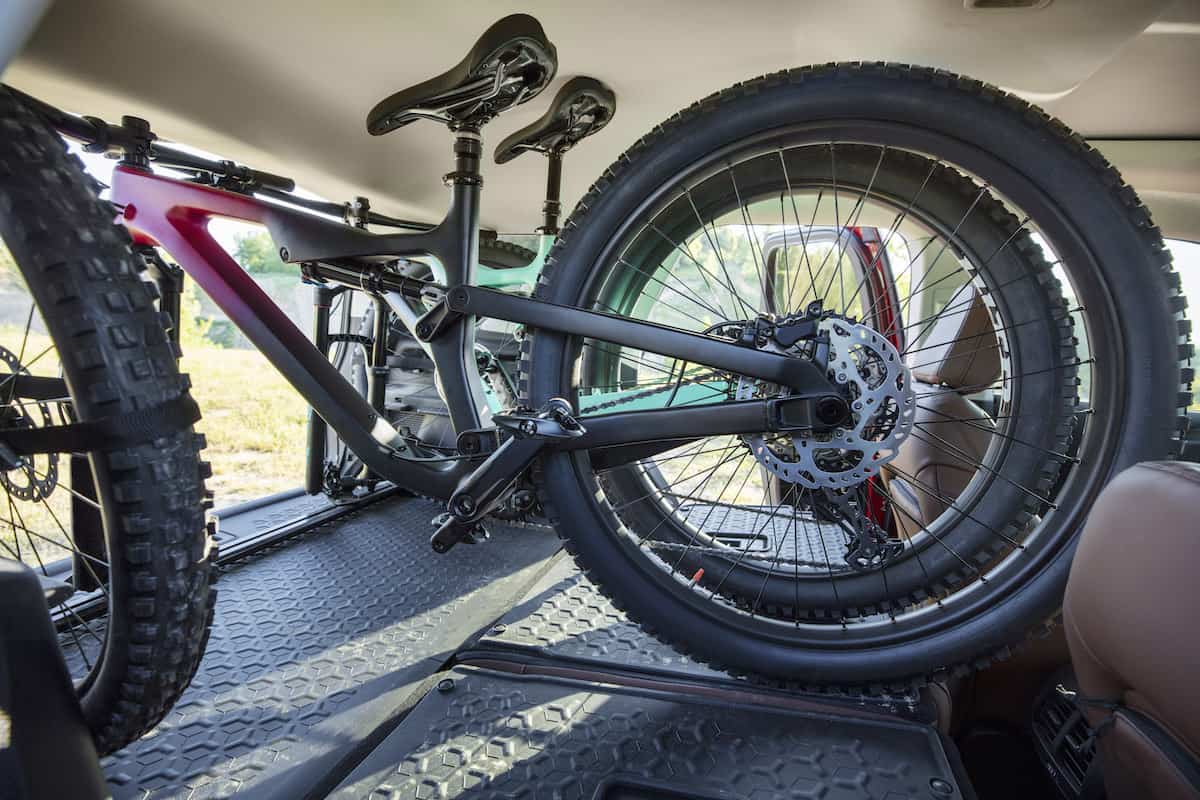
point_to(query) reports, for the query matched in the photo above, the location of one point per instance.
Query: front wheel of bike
(938, 223)
(119, 531)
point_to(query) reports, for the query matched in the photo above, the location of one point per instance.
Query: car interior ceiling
(1086, 61)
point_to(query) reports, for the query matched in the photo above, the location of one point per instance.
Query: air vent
(1004, 5)
(1064, 739)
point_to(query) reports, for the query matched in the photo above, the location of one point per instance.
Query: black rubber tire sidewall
(117, 359)
(1110, 229)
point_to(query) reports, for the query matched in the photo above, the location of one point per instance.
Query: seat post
(552, 208)
(465, 183)
(454, 351)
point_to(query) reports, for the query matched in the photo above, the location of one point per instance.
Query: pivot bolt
(445, 685)
(464, 505)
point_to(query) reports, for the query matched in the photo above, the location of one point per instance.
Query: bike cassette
(871, 374)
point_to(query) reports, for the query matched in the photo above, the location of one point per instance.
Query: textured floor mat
(771, 534)
(484, 735)
(565, 619)
(254, 521)
(317, 645)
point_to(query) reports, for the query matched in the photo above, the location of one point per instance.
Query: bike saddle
(510, 63)
(581, 107)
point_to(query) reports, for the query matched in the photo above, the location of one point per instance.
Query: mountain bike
(817, 383)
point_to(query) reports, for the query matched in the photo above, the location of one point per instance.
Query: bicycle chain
(645, 393)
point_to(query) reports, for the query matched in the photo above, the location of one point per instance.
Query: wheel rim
(692, 178)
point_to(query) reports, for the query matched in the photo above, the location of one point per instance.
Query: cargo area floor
(348, 660)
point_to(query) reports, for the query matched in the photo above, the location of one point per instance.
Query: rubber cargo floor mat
(483, 734)
(564, 619)
(317, 644)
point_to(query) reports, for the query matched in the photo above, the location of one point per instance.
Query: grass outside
(253, 419)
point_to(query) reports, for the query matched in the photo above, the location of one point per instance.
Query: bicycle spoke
(941, 498)
(778, 549)
(82, 498)
(963, 455)
(708, 514)
(750, 236)
(829, 570)
(951, 307)
(661, 490)
(691, 497)
(685, 295)
(680, 248)
(893, 228)
(932, 535)
(21, 352)
(85, 558)
(993, 432)
(796, 215)
(856, 213)
(26, 364)
(979, 387)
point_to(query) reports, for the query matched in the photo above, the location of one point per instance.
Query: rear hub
(863, 428)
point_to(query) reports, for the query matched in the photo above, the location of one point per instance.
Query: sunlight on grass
(254, 421)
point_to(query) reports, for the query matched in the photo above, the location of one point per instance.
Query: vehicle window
(1187, 264)
(819, 269)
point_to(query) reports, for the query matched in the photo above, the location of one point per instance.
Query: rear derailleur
(869, 546)
(491, 484)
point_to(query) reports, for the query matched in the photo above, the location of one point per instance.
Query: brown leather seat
(959, 357)
(1132, 619)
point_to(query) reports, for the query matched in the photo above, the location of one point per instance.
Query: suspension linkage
(486, 487)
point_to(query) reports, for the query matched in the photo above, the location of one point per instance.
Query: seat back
(1131, 618)
(959, 356)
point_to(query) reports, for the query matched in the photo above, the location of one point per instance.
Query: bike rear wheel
(1011, 225)
(130, 519)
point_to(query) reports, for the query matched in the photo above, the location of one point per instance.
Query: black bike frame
(174, 214)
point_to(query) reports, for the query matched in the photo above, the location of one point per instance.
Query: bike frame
(174, 214)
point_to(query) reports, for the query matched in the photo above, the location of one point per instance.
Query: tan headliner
(285, 84)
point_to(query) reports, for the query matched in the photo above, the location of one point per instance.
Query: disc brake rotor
(31, 481)
(871, 374)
